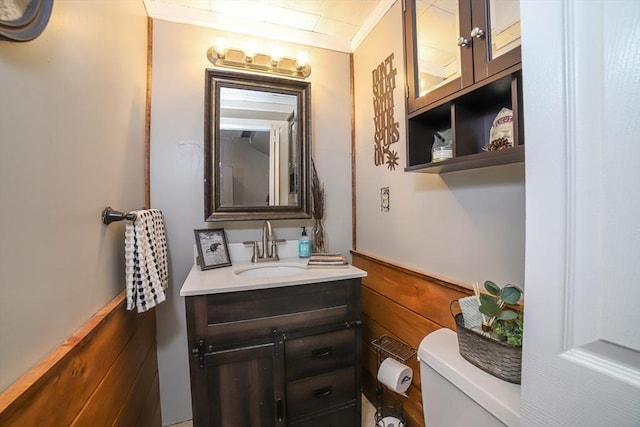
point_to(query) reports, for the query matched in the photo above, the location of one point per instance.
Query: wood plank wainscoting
(405, 304)
(105, 374)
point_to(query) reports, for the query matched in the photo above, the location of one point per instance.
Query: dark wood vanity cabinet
(461, 88)
(288, 356)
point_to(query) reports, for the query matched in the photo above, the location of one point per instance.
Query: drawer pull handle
(319, 353)
(322, 392)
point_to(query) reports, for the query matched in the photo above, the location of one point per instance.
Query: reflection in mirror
(255, 144)
(257, 147)
(505, 26)
(438, 56)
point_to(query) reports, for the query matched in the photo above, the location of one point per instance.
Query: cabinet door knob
(477, 33)
(462, 42)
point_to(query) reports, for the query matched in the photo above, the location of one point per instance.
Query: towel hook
(109, 215)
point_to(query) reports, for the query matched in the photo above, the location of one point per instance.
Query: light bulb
(302, 64)
(250, 50)
(276, 55)
(302, 59)
(221, 46)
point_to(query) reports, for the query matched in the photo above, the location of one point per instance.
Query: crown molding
(370, 23)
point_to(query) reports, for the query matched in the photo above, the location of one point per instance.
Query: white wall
(465, 226)
(250, 168)
(177, 133)
(72, 108)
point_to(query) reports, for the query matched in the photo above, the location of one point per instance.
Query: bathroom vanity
(274, 344)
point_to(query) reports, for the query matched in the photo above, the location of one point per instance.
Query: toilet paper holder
(388, 346)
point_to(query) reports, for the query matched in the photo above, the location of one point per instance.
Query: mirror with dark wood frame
(257, 147)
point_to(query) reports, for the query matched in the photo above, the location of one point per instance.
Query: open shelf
(470, 116)
(473, 161)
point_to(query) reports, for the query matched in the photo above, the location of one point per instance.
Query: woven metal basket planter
(498, 359)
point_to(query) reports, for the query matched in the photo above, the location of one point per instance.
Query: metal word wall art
(387, 132)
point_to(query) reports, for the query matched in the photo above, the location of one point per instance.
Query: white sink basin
(270, 270)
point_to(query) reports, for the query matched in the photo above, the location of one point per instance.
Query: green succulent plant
(504, 316)
(510, 331)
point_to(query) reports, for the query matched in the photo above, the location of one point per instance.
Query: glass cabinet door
(504, 18)
(439, 57)
(496, 36)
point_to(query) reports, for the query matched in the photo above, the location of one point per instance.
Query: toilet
(456, 393)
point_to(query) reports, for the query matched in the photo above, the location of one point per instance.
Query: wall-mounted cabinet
(463, 67)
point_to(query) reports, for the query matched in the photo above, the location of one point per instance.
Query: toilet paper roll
(392, 422)
(395, 375)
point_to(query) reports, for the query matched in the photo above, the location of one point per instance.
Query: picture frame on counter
(213, 251)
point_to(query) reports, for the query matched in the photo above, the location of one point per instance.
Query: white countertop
(224, 279)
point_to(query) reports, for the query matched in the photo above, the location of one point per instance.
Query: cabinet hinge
(278, 340)
(200, 351)
(406, 91)
(404, 5)
(353, 324)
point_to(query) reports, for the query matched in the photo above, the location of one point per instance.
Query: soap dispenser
(304, 245)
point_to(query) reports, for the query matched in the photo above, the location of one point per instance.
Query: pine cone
(497, 144)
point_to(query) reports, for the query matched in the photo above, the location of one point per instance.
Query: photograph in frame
(212, 248)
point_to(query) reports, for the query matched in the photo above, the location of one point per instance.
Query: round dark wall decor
(23, 20)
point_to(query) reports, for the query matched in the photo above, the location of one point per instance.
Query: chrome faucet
(267, 234)
(268, 253)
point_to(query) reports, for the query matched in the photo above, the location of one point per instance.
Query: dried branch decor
(317, 210)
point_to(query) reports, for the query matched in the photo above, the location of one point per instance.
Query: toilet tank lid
(439, 350)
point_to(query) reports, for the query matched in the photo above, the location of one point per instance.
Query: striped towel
(145, 249)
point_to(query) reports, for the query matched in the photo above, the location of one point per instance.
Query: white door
(581, 363)
(274, 165)
(226, 185)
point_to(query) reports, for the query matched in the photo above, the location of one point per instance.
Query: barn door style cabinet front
(463, 66)
(287, 356)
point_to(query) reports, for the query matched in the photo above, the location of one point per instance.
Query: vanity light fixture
(221, 55)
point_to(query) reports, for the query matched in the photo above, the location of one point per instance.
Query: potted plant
(502, 314)
(492, 340)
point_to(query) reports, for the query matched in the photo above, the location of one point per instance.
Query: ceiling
(331, 24)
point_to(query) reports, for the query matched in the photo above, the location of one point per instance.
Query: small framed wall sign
(212, 248)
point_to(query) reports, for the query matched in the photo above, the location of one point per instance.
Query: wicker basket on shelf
(496, 358)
